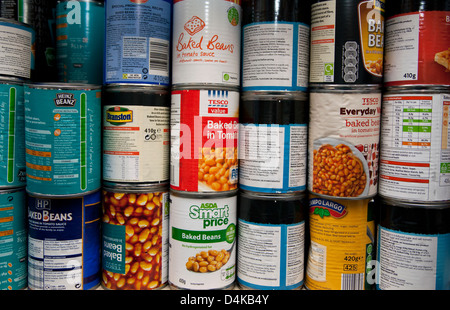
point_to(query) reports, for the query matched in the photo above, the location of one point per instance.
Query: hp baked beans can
(417, 49)
(202, 236)
(347, 42)
(206, 48)
(275, 45)
(64, 242)
(342, 247)
(135, 236)
(413, 248)
(271, 232)
(137, 46)
(13, 239)
(273, 129)
(62, 138)
(344, 136)
(415, 144)
(136, 146)
(204, 140)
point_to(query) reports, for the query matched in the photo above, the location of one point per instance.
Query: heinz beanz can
(62, 138)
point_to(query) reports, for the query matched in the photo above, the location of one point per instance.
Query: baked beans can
(137, 46)
(417, 49)
(204, 139)
(271, 247)
(202, 237)
(13, 239)
(415, 144)
(80, 27)
(62, 138)
(347, 42)
(12, 137)
(207, 42)
(64, 242)
(136, 136)
(413, 246)
(135, 236)
(342, 233)
(275, 45)
(344, 145)
(273, 130)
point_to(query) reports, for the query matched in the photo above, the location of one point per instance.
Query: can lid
(176, 87)
(272, 196)
(63, 86)
(274, 95)
(409, 88)
(135, 187)
(413, 203)
(353, 88)
(203, 195)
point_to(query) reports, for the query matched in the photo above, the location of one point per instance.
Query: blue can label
(137, 41)
(64, 242)
(62, 140)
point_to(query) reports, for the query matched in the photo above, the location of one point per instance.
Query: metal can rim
(204, 87)
(436, 205)
(274, 95)
(135, 188)
(270, 196)
(63, 86)
(15, 22)
(203, 195)
(340, 88)
(411, 88)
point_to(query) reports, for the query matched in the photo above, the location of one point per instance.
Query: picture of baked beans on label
(218, 169)
(208, 261)
(339, 169)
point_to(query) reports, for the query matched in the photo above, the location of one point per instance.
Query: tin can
(9, 9)
(135, 236)
(16, 54)
(347, 42)
(64, 242)
(13, 239)
(273, 129)
(417, 49)
(345, 142)
(80, 27)
(415, 144)
(138, 42)
(342, 235)
(202, 236)
(204, 139)
(413, 246)
(207, 41)
(271, 247)
(275, 46)
(12, 137)
(62, 138)
(136, 146)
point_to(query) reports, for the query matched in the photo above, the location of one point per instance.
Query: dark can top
(135, 95)
(276, 11)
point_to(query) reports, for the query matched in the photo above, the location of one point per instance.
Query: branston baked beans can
(413, 246)
(344, 134)
(415, 144)
(342, 233)
(347, 41)
(204, 140)
(206, 46)
(273, 141)
(202, 234)
(271, 233)
(135, 236)
(64, 242)
(136, 146)
(417, 49)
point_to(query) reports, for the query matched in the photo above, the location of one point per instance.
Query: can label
(137, 41)
(136, 138)
(64, 242)
(12, 135)
(135, 240)
(202, 242)
(275, 56)
(62, 140)
(13, 240)
(207, 40)
(204, 140)
(415, 146)
(345, 144)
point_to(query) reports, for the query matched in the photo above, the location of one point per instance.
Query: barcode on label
(159, 57)
(352, 281)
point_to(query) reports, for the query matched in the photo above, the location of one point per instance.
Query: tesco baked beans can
(207, 41)
(136, 136)
(204, 140)
(344, 141)
(415, 144)
(135, 236)
(417, 49)
(342, 247)
(202, 236)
